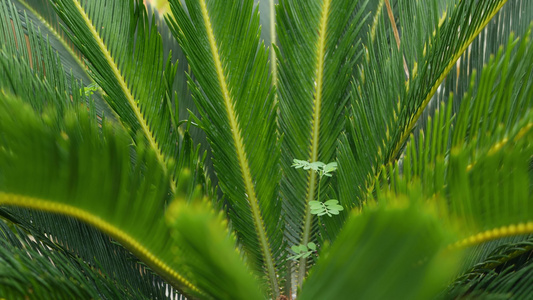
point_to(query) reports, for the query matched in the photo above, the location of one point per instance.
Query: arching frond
(480, 159)
(36, 266)
(387, 101)
(232, 89)
(32, 20)
(392, 252)
(506, 272)
(45, 87)
(86, 172)
(316, 56)
(127, 62)
(207, 249)
(473, 169)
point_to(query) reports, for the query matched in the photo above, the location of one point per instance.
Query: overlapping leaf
(127, 61)
(387, 101)
(84, 171)
(480, 159)
(384, 253)
(41, 268)
(316, 56)
(232, 90)
(45, 87)
(208, 251)
(474, 168)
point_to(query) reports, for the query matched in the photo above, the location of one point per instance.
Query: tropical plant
(143, 158)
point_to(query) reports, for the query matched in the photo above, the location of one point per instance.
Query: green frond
(435, 57)
(127, 61)
(232, 90)
(84, 171)
(33, 20)
(390, 252)
(31, 269)
(90, 245)
(31, 69)
(475, 166)
(46, 88)
(473, 169)
(209, 250)
(388, 102)
(42, 14)
(316, 56)
(505, 274)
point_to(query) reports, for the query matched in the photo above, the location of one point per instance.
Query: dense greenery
(324, 149)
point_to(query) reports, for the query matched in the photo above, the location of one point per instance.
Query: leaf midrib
(117, 233)
(420, 110)
(315, 134)
(241, 153)
(124, 87)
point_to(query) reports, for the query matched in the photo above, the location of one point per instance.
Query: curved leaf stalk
(126, 90)
(308, 217)
(496, 233)
(132, 244)
(420, 110)
(241, 153)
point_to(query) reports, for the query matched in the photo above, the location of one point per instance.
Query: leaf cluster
(153, 157)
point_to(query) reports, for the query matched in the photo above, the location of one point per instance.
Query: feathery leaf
(316, 56)
(232, 92)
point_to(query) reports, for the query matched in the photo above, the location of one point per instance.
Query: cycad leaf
(506, 273)
(46, 88)
(36, 19)
(42, 14)
(232, 92)
(316, 56)
(31, 269)
(84, 171)
(474, 168)
(514, 18)
(23, 65)
(387, 106)
(127, 61)
(209, 251)
(482, 161)
(384, 253)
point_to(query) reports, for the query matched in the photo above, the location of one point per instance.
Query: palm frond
(127, 61)
(35, 266)
(208, 250)
(75, 157)
(37, 18)
(34, 72)
(232, 92)
(513, 18)
(46, 88)
(505, 274)
(95, 248)
(387, 101)
(480, 159)
(472, 170)
(393, 251)
(316, 56)
(42, 14)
